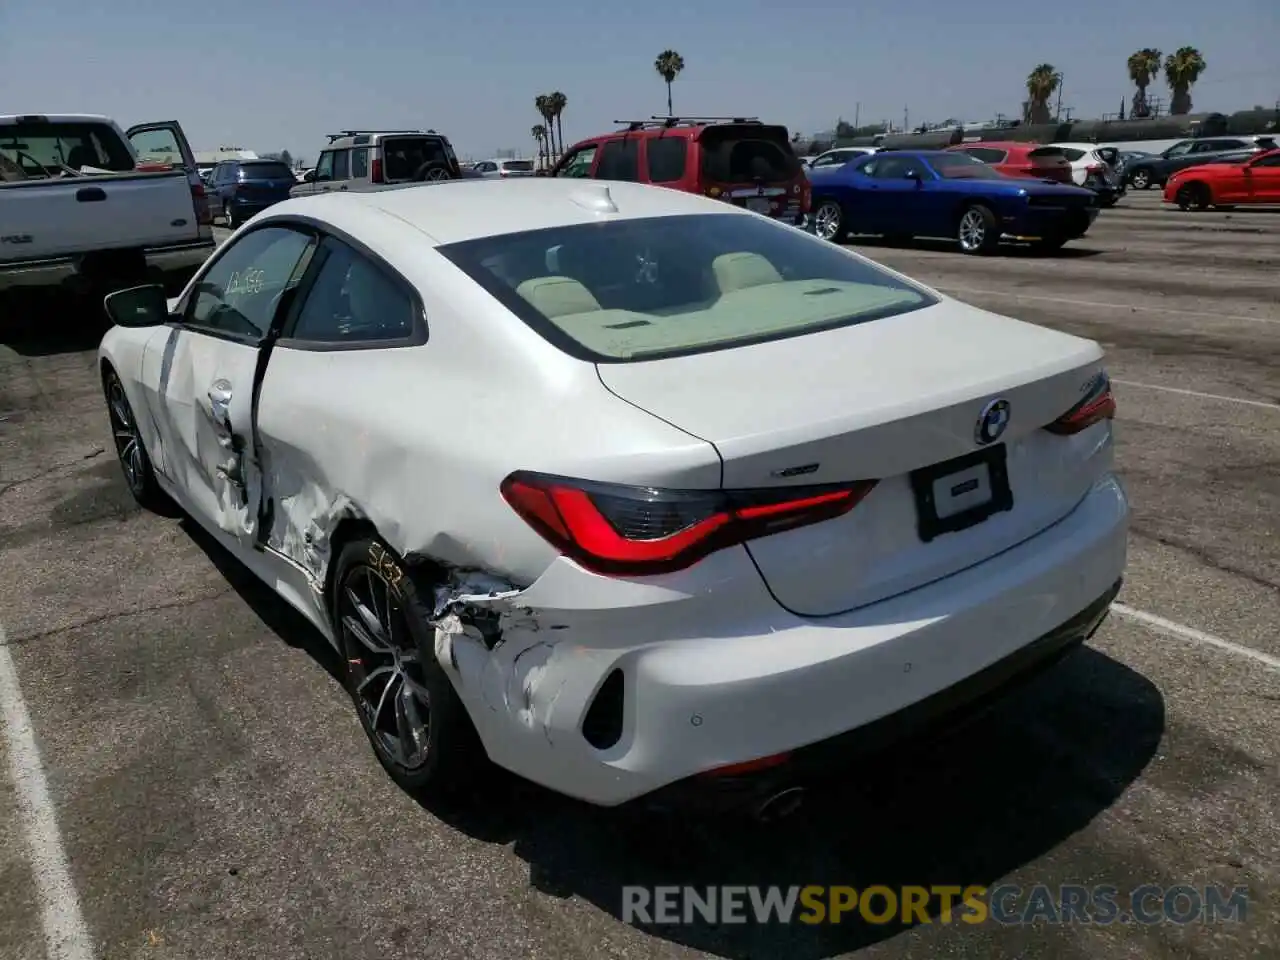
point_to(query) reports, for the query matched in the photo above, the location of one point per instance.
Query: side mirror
(309, 177)
(144, 306)
(914, 175)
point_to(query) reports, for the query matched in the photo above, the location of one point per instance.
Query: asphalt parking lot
(215, 797)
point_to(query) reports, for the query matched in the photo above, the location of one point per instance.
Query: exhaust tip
(780, 805)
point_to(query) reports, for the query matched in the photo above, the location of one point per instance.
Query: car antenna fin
(596, 198)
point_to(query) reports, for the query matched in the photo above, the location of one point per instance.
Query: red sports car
(1223, 185)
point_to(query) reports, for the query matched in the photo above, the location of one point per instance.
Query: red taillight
(375, 170)
(748, 766)
(1097, 168)
(618, 529)
(1098, 404)
(199, 198)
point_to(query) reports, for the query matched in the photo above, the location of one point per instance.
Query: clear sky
(270, 75)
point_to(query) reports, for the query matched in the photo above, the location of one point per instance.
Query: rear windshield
(956, 166)
(521, 165)
(403, 157)
(269, 170)
(1048, 156)
(747, 155)
(37, 150)
(629, 290)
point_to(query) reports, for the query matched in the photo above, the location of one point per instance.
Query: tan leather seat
(557, 296)
(738, 271)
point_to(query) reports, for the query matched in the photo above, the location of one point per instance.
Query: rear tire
(977, 230)
(829, 222)
(432, 172)
(417, 725)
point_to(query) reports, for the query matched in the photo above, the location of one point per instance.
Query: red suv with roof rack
(736, 159)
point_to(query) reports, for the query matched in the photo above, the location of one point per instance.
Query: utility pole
(906, 127)
(857, 112)
(1057, 113)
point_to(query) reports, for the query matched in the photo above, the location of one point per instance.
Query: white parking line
(1196, 393)
(1099, 305)
(66, 936)
(1195, 636)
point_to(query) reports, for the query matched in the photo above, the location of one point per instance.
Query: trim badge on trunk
(992, 422)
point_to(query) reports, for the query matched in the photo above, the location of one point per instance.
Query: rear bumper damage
(610, 690)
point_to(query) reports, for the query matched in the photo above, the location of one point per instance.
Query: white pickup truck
(90, 208)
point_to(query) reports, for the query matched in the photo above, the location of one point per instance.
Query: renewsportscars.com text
(1005, 904)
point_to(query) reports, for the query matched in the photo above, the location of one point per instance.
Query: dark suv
(240, 188)
(738, 160)
(1147, 172)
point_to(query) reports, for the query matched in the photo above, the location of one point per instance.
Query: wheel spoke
(358, 630)
(371, 634)
(409, 726)
(385, 697)
(374, 675)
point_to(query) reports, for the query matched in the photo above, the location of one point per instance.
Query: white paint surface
(65, 933)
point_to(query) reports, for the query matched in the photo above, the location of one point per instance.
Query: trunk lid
(882, 400)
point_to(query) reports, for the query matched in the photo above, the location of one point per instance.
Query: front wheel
(1193, 196)
(410, 712)
(1141, 180)
(138, 473)
(978, 231)
(828, 221)
(432, 172)
(229, 214)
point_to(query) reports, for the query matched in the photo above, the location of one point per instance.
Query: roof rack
(668, 122)
(355, 133)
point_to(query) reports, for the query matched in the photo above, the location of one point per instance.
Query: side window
(1273, 161)
(352, 301)
(579, 164)
(1072, 154)
(324, 166)
(619, 160)
(826, 160)
(985, 154)
(239, 293)
(360, 163)
(665, 159)
(1178, 149)
(895, 168)
(341, 169)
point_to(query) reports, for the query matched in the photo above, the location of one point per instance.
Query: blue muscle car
(945, 194)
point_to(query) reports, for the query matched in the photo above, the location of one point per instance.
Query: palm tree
(1144, 66)
(557, 101)
(539, 134)
(542, 103)
(1041, 83)
(669, 65)
(1181, 70)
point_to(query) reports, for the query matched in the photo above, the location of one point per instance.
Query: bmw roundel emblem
(992, 422)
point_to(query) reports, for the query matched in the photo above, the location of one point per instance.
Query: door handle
(220, 402)
(91, 194)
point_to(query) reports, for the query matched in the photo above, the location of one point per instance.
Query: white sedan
(628, 489)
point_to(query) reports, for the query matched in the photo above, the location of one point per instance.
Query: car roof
(457, 210)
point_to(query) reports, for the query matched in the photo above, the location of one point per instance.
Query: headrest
(737, 271)
(557, 296)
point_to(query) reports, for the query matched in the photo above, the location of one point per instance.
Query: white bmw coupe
(626, 489)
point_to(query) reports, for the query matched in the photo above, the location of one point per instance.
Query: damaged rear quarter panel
(417, 439)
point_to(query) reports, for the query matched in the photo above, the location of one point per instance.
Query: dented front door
(210, 369)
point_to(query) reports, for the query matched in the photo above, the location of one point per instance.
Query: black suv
(1148, 172)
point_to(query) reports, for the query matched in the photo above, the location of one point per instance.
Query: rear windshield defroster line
(645, 289)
